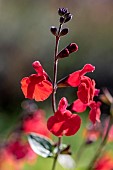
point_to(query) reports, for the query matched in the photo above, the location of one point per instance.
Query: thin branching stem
(55, 70)
(54, 90)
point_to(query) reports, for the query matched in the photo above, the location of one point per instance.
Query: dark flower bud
(62, 20)
(73, 47)
(53, 30)
(68, 18)
(64, 31)
(64, 53)
(62, 11)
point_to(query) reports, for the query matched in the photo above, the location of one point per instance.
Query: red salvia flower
(37, 86)
(74, 79)
(63, 122)
(36, 123)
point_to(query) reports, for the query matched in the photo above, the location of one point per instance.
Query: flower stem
(56, 156)
(102, 145)
(54, 90)
(55, 70)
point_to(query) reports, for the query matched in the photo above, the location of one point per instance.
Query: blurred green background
(25, 37)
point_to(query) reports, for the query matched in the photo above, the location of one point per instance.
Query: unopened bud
(62, 20)
(73, 47)
(68, 17)
(62, 11)
(64, 53)
(53, 30)
(64, 31)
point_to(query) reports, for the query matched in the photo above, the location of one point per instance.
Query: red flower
(104, 163)
(94, 114)
(20, 151)
(63, 122)
(74, 79)
(36, 123)
(37, 86)
(86, 90)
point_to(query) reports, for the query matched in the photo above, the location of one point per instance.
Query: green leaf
(41, 145)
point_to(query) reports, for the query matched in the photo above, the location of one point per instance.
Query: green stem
(56, 156)
(103, 143)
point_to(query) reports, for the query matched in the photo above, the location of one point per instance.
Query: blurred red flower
(36, 123)
(104, 163)
(20, 150)
(91, 133)
(15, 154)
(63, 122)
(37, 86)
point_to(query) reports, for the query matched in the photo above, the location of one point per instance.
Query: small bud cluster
(65, 16)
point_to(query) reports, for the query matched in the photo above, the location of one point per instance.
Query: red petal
(24, 85)
(39, 69)
(63, 104)
(74, 79)
(78, 106)
(42, 91)
(55, 126)
(94, 114)
(87, 68)
(34, 88)
(83, 93)
(72, 125)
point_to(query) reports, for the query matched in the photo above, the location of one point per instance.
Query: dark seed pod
(64, 32)
(53, 30)
(62, 11)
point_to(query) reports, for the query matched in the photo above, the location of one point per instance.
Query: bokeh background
(25, 37)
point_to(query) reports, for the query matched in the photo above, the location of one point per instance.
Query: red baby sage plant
(39, 87)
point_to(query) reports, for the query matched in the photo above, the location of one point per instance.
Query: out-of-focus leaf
(41, 145)
(66, 161)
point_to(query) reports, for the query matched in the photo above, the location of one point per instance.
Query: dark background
(25, 37)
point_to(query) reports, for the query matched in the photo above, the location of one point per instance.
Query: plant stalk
(54, 90)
